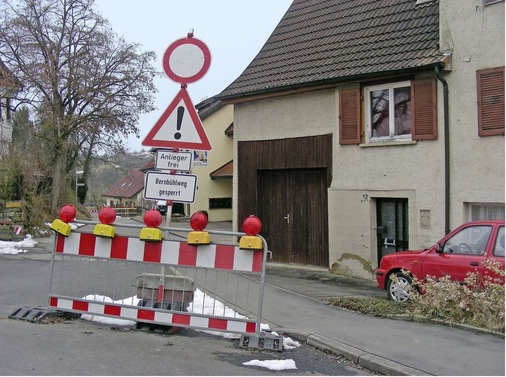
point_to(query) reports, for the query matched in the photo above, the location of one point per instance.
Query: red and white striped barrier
(149, 315)
(88, 264)
(225, 257)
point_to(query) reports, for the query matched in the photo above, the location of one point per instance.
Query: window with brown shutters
(424, 116)
(398, 111)
(349, 116)
(490, 86)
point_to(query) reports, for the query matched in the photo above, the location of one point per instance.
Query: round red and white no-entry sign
(186, 60)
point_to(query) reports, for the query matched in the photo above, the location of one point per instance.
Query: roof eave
(323, 84)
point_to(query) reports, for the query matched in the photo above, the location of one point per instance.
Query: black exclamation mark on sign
(180, 112)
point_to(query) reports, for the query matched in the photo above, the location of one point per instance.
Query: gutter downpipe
(447, 148)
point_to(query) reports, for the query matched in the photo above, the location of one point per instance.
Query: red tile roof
(127, 187)
(329, 41)
(149, 165)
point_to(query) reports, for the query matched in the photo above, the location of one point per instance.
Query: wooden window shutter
(424, 109)
(349, 116)
(490, 86)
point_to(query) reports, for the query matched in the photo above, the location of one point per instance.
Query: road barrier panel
(213, 287)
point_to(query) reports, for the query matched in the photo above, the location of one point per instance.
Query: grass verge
(385, 308)
(478, 303)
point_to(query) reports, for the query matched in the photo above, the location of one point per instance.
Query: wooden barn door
(293, 206)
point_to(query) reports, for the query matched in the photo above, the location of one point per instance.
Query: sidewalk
(294, 305)
(387, 346)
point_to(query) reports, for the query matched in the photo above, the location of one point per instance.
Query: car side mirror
(439, 248)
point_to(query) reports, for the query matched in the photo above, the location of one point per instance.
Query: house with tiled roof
(128, 192)
(9, 85)
(364, 127)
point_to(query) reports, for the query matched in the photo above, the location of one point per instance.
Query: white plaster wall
(349, 214)
(352, 228)
(475, 35)
(417, 171)
(291, 116)
(5, 128)
(286, 117)
(414, 170)
(221, 153)
(5, 136)
(379, 171)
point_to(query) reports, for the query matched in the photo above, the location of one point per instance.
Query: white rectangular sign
(169, 160)
(180, 188)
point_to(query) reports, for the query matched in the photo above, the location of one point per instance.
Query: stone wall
(11, 216)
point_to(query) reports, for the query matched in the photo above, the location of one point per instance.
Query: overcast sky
(234, 31)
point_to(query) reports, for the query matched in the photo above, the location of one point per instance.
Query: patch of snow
(272, 364)
(13, 247)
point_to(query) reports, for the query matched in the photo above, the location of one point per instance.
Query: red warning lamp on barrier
(198, 222)
(107, 216)
(67, 214)
(152, 219)
(251, 226)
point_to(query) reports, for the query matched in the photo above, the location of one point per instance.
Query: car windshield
(470, 240)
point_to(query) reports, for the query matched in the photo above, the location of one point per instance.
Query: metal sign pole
(161, 284)
(174, 117)
(53, 253)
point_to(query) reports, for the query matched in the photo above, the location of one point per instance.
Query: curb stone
(366, 360)
(407, 317)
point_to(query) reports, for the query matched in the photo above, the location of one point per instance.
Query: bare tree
(88, 85)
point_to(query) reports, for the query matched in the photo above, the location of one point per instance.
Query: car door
(496, 253)
(463, 251)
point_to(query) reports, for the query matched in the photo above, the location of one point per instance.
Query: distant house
(363, 127)
(9, 85)
(127, 192)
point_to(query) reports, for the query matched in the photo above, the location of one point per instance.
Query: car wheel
(399, 285)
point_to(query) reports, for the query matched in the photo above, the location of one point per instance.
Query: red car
(461, 251)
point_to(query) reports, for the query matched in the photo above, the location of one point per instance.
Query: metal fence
(216, 287)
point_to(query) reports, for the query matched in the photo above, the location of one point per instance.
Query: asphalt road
(294, 303)
(62, 346)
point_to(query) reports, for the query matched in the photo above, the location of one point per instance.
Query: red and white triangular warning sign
(179, 127)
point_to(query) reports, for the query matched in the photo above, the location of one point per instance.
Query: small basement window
(486, 211)
(217, 203)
